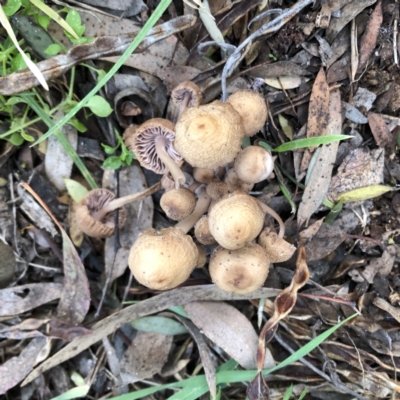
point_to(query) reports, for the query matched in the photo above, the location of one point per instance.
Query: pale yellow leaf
(364, 193)
(284, 82)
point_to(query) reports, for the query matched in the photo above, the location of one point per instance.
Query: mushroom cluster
(207, 177)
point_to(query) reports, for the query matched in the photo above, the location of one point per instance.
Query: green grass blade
(309, 142)
(75, 393)
(132, 47)
(288, 392)
(61, 138)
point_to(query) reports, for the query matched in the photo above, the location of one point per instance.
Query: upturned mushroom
(239, 271)
(254, 164)
(209, 136)
(152, 143)
(95, 212)
(186, 94)
(164, 260)
(178, 203)
(252, 109)
(277, 249)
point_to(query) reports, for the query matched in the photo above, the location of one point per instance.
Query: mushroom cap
(217, 189)
(142, 141)
(210, 135)
(234, 183)
(239, 271)
(202, 257)
(254, 164)
(236, 220)
(94, 201)
(252, 108)
(163, 260)
(202, 231)
(277, 249)
(178, 203)
(179, 92)
(203, 175)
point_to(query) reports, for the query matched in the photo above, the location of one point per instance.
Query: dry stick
(339, 384)
(117, 203)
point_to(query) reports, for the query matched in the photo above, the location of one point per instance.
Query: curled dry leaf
(370, 36)
(145, 356)
(383, 136)
(146, 307)
(229, 329)
(320, 178)
(311, 231)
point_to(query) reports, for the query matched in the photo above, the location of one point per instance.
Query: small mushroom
(186, 94)
(202, 257)
(202, 231)
(277, 249)
(254, 164)
(217, 189)
(178, 203)
(252, 109)
(236, 220)
(164, 260)
(203, 175)
(239, 271)
(234, 183)
(152, 143)
(95, 215)
(209, 136)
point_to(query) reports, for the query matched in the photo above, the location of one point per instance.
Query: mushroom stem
(117, 203)
(201, 207)
(270, 211)
(183, 105)
(172, 166)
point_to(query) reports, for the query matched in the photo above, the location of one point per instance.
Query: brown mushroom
(186, 94)
(152, 143)
(95, 215)
(235, 220)
(277, 249)
(202, 231)
(203, 175)
(178, 203)
(164, 260)
(209, 136)
(202, 257)
(234, 183)
(252, 109)
(254, 164)
(239, 271)
(217, 189)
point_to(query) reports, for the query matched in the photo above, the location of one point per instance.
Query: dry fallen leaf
(284, 82)
(229, 329)
(383, 136)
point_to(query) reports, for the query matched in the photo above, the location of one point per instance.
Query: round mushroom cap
(217, 189)
(93, 202)
(209, 136)
(178, 203)
(202, 258)
(142, 141)
(236, 220)
(239, 271)
(163, 260)
(277, 249)
(202, 231)
(203, 175)
(254, 164)
(186, 88)
(234, 183)
(252, 108)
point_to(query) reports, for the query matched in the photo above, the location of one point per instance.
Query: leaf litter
(326, 70)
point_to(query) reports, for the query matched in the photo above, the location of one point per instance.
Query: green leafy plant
(123, 160)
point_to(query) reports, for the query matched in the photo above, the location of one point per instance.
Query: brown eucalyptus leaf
(7, 264)
(318, 110)
(276, 70)
(15, 369)
(145, 356)
(153, 305)
(229, 329)
(131, 180)
(383, 136)
(75, 231)
(66, 332)
(19, 299)
(320, 178)
(347, 13)
(339, 70)
(311, 231)
(370, 37)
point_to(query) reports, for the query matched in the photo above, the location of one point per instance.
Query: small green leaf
(113, 162)
(76, 190)
(11, 7)
(27, 137)
(77, 124)
(18, 62)
(364, 193)
(99, 106)
(162, 325)
(43, 20)
(73, 19)
(109, 149)
(53, 49)
(309, 142)
(16, 139)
